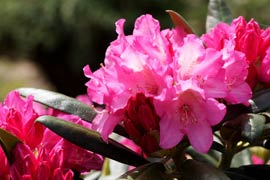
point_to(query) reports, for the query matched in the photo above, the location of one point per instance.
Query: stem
(178, 156)
(226, 159)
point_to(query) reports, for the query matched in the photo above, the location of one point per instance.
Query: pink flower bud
(142, 122)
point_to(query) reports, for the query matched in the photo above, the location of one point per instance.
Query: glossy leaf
(242, 158)
(253, 127)
(247, 127)
(61, 102)
(233, 111)
(205, 158)
(260, 101)
(149, 171)
(196, 170)
(217, 12)
(91, 140)
(178, 20)
(264, 141)
(8, 142)
(250, 172)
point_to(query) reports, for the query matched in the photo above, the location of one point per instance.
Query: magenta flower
(74, 157)
(142, 122)
(4, 172)
(162, 85)
(135, 63)
(28, 166)
(205, 66)
(18, 116)
(248, 38)
(191, 113)
(41, 154)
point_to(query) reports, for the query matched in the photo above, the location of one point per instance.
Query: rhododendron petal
(24, 163)
(4, 173)
(217, 111)
(190, 54)
(240, 93)
(200, 137)
(264, 70)
(43, 171)
(170, 134)
(13, 100)
(105, 122)
(79, 159)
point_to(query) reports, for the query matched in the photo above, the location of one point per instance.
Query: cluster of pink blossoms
(163, 85)
(248, 38)
(40, 154)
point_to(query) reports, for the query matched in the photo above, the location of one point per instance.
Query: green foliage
(242, 127)
(178, 20)
(195, 170)
(8, 143)
(148, 171)
(91, 140)
(217, 12)
(61, 102)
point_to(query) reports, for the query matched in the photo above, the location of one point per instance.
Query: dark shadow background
(62, 36)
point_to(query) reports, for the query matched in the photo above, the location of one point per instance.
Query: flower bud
(142, 122)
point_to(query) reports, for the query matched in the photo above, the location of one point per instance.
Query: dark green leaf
(264, 141)
(260, 101)
(233, 111)
(91, 140)
(247, 127)
(241, 158)
(252, 126)
(195, 170)
(61, 102)
(155, 171)
(8, 142)
(205, 158)
(250, 172)
(217, 12)
(178, 20)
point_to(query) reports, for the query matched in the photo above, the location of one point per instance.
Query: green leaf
(217, 12)
(246, 127)
(233, 111)
(155, 171)
(196, 170)
(61, 102)
(250, 172)
(260, 101)
(241, 158)
(91, 140)
(178, 20)
(8, 142)
(206, 158)
(252, 127)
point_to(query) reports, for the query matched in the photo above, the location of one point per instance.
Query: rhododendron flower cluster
(40, 154)
(163, 85)
(248, 38)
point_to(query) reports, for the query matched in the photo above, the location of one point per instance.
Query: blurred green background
(46, 43)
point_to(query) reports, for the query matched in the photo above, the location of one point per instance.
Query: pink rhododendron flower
(4, 172)
(74, 157)
(166, 82)
(236, 72)
(205, 66)
(41, 154)
(17, 116)
(28, 166)
(191, 114)
(135, 63)
(248, 38)
(256, 160)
